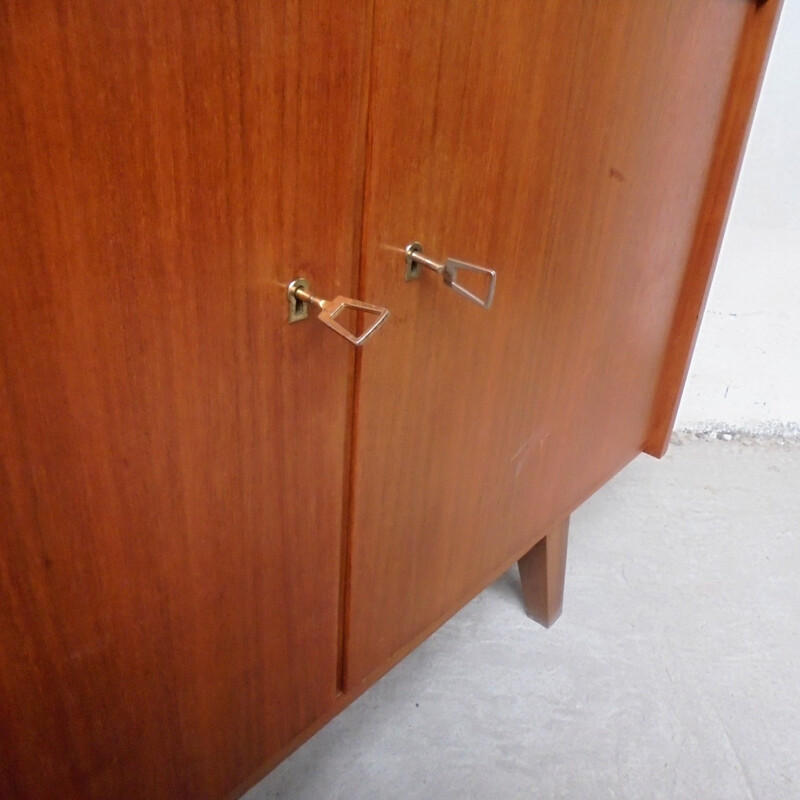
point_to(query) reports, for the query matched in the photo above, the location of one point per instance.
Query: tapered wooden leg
(541, 571)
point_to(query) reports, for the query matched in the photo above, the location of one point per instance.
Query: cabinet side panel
(567, 146)
(171, 450)
(742, 94)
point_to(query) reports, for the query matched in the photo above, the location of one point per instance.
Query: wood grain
(541, 573)
(171, 451)
(742, 94)
(174, 458)
(567, 147)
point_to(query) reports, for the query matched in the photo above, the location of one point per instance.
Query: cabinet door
(172, 451)
(567, 146)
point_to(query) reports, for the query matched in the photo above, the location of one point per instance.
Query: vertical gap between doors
(353, 388)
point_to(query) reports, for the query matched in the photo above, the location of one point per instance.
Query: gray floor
(674, 671)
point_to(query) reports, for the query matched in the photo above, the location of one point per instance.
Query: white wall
(746, 369)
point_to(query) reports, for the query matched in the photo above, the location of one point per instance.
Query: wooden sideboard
(219, 528)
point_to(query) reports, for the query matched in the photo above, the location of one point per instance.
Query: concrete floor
(674, 671)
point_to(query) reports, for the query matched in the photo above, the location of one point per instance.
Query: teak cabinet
(218, 528)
